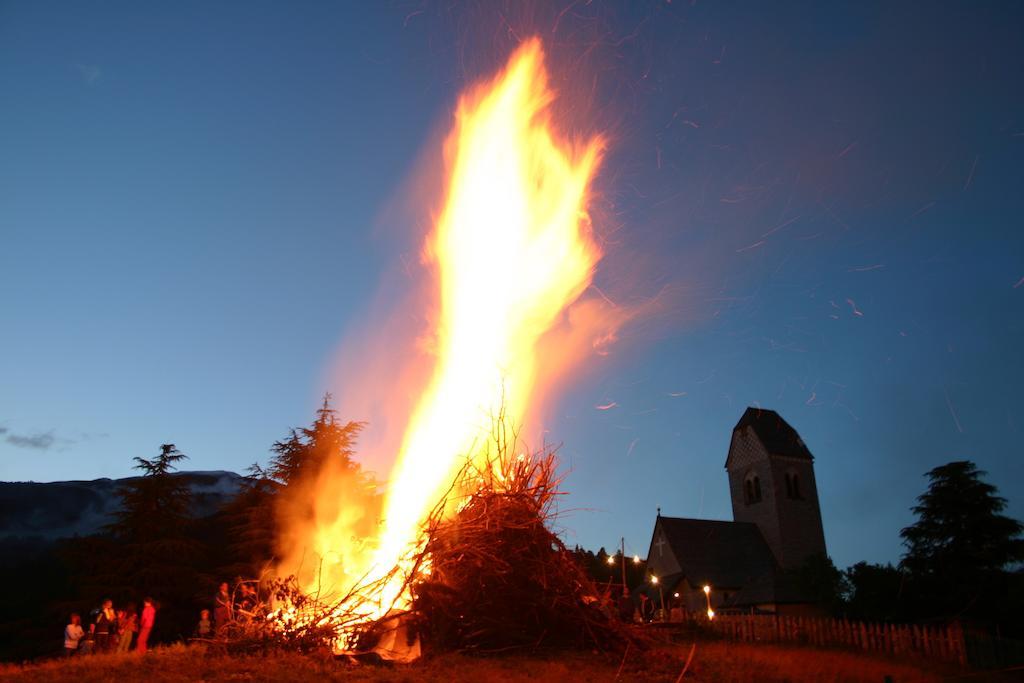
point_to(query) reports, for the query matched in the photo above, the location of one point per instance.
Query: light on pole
(661, 593)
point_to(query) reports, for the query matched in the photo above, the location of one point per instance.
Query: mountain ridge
(49, 511)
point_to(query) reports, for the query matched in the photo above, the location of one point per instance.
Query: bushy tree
(875, 592)
(961, 546)
(820, 581)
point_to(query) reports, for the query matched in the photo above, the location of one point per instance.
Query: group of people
(638, 609)
(110, 630)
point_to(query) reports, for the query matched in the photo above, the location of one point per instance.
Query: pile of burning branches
(277, 614)
(496, 577)
(488, 575)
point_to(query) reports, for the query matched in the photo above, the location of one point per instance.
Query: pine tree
(154, 554)
(251, 525)
(961, 545)
(155, 506)
(306, 451)
(317, 477)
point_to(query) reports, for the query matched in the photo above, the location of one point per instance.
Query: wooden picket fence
(945, 643)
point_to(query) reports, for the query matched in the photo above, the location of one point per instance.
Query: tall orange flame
(513, 249)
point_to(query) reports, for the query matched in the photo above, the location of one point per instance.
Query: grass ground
(712, 661)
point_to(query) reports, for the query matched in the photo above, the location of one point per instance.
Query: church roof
(725, 554)
(777, 436)
(728, 555)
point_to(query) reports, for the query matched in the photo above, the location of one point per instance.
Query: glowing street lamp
(707, 597)
(636, 559)
(661, 593)
(611, 560)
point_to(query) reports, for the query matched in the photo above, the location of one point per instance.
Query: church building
(751, 564)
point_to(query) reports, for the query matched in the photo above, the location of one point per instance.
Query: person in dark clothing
(222, 608)
(626, 607)
(247, 602)
(646, 608)
(105, 627)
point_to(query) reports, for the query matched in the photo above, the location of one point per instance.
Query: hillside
(63, 509)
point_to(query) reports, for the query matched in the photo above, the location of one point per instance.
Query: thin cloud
(42, 441)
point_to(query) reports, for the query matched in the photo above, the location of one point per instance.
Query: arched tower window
(793, 485)
(752, 489)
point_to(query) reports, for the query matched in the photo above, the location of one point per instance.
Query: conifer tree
(251, 525)
(154, 554)
(317, 475)
(959, 549)
(155, 506)
(306, 451)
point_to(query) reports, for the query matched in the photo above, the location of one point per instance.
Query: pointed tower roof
(774, 433)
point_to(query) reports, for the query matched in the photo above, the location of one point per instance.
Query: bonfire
(489, 577)
(496, 577)
(464, 558)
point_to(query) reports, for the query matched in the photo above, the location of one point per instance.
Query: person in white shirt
(73, 633)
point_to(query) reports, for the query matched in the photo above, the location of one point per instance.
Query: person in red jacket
(145, 624)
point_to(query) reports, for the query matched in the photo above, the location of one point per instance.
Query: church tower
(771, 481)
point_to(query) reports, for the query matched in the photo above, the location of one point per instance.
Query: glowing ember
(513, 249)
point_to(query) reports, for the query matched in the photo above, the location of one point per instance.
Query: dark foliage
(250, 526)
(960, 548)
(875, 592)
(36, 589)
(819, 579)
(606, 570)
(153, 550)
(306, 452)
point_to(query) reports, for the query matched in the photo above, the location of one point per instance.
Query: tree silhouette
(820, 581)
(961, 545)
(156, 505)
(251, 525)
(306, 451)
(154, 554)
(318, 478)
(874, 592)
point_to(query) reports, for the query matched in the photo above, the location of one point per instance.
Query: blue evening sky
(830, 194)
